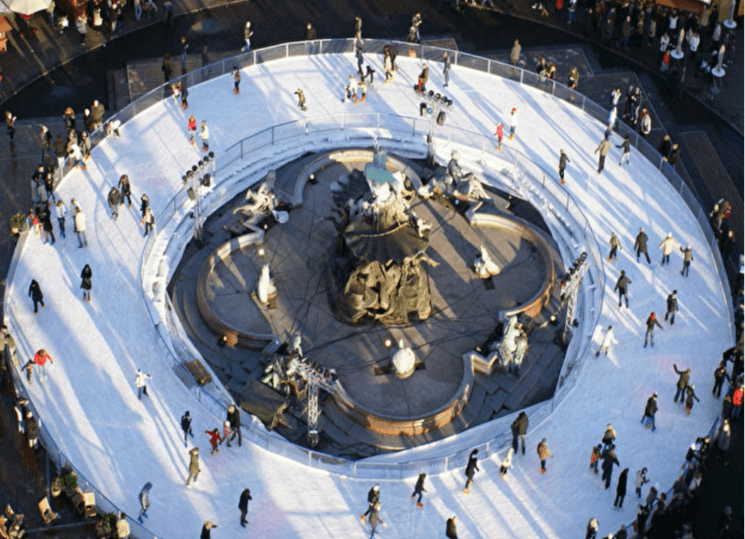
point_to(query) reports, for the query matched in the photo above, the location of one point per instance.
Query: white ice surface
(90, 404)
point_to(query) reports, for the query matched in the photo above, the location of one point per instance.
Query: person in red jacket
(736, 403)
(214, 440)
(42, 356)
(499, 134)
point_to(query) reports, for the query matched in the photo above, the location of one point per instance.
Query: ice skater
(626, 145)
(144, 498)
(519, 430)
(373, 497)
(506, 463)
(141, 384)
(193, 466)
(543, 453)
(690, 397)
(609, 459)
(499, 133)
(687, 259)
(114, 200)
(595, 457)
(204, 134)
(40, 359)
(649, 334)
(215, 440)
(683, 379)
(419, 489)
(34, 291)
(234, 417)
(668, 245)
(672, 306)
(243, 505)
(86, 277)
(641, 480)
(186, 426)
(640, 246)
(649, 412)
(513, 123)
(621, 488)
(471, 468)
(608, 339)
(563, 160)
(191, 128)
(236, 80)
(622, 287)
(300, 99)
(375, 519)
(603, 149)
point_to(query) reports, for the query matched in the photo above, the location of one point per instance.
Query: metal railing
(528, 181)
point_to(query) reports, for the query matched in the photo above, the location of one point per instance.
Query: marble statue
(265, 289)
(403, 361)
(484, 266)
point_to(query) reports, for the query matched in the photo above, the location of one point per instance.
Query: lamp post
(434, 105)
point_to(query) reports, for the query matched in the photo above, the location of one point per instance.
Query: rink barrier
(354, 132)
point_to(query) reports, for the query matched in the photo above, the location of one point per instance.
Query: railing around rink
(533, 183)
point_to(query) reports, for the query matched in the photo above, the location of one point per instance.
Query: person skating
(193, 466)
(114, 199)
(622, 286)
(592, 529)
(419, 489)
(451, 531)
(215, 440)
(204, 134)
(687, 259)
(690, 397)
(603, 149)
(144, 498)
(236, 80)
(595, 457)
(668, 245)
(423, 79)
(649, 412)
(499, 133)
(649, 334)
(621, 488)
(186, 426)
(227, 432)
(375, 519)
(519, 430)
(191, 128)
(234, 417)
(40, 359)
(86, 284)
(141, 384)
(543, 453)
(563, 160)
(387, 66)
(471, 468)
(608, 339)
(609, 436)
(148, 218)
(609, 459)
(207, 530)
(720, 375)
(243, 505)
(184, 96)
(506, 463)
(126, 191)
(79, 222)
(300, 99)
(61, 213)
(513, 124)
(626, 145)
(641, 480)
(373, 497)
(34, 291)
(682, 384)
(615, 245)
(640, 246)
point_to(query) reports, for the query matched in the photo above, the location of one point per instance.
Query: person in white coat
(668, 245)
(608, 339)
(506, 462)
(141, 383)
(512, 123)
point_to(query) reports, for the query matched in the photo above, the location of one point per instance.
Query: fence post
(522, 72)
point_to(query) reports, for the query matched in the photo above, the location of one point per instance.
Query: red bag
(559, 5)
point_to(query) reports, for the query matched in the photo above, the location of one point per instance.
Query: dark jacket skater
(450, 530)
(243, 505)
(649, 334)
(186, 425)
(690, 396)
(622, 287)
(419, 489)
(519, 430)
(114, 200)
(609, 459)
(34, 290)
(373, 497)
(375, 518)
(234, 416)
(672, 306)
(86, 275)
(471, 468)
(649, 411)
(621, 488)
(720, 375)
(563, 160)
(683, 378)
(640, 246)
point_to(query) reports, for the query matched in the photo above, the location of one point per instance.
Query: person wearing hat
(373, 497)
(193, 466)
(513, 123)
(610, 435)
(207, 530)
(471, 468)
(668, 245)
(649, 411)
(651, 323)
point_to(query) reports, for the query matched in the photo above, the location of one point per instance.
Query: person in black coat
(672, 306)
(373, 497)
(690, 396)
(243, 505)
(86, 275)
(649, 411)
(683, 378)
(234, 417)
(207, 530)
(649, 334)
(125, 190)
(450, 530)
(640, 245)
(622, 285)
(34, 290)
(186, 425)
(419, 489)
(609, 459)
(720, 375)
(471, 468)
(641, 521)
(621, 488)
(519, 430)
